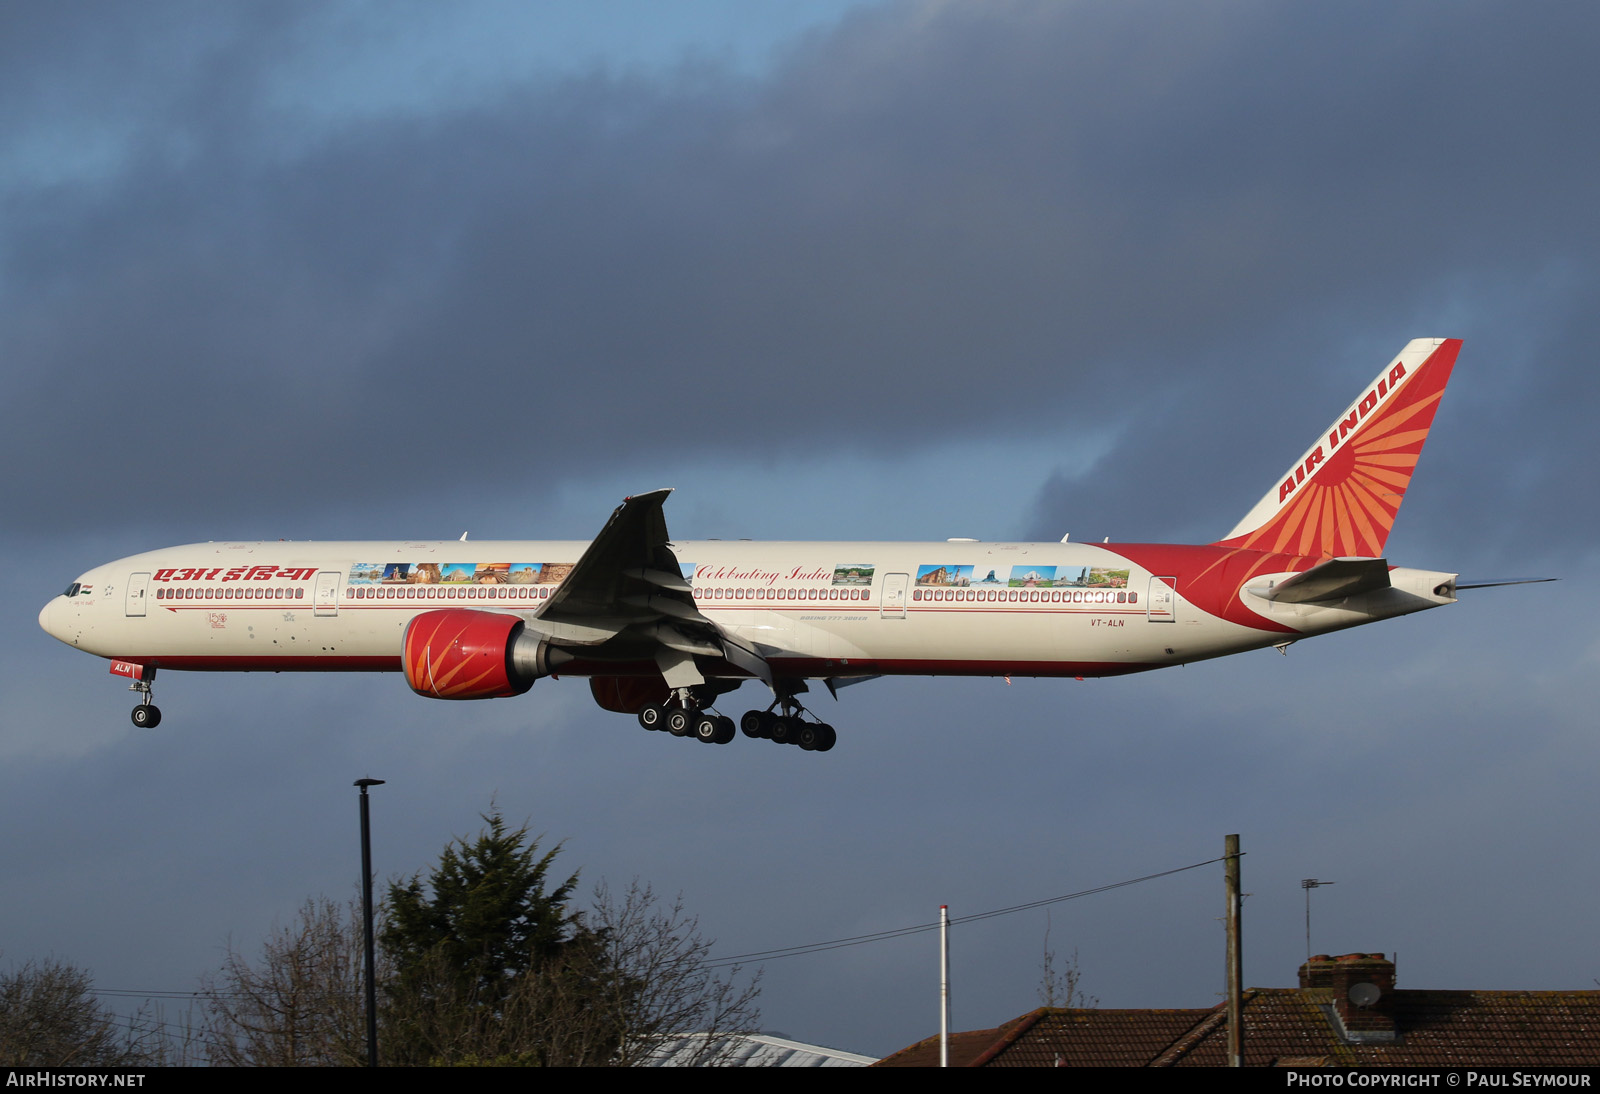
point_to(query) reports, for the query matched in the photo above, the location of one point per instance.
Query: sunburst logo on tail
(1341, 498)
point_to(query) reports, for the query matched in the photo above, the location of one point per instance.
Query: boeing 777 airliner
(663, 628)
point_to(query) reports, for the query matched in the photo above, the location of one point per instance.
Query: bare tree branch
(50, 1018)
(301, 1003)
(1059, 987)
(660, 985)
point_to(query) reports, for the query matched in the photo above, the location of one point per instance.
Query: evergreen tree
(474, 949)
(481, 964)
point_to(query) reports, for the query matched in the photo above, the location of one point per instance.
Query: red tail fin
(1341, 498)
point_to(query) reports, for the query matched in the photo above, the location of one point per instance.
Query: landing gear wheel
(826, 737)
(146, 716)
(680, 722)
(726, 731)
(754, 723)
(652, 717)
(707, 728)
(806, 736)
(782, 729)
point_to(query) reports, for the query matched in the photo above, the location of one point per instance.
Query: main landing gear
(681, 716)
(146, 715)
(788, 728)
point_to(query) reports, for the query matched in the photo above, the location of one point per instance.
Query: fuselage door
(894, 596)
(1163, 600)
(138, 585)
(327, 595)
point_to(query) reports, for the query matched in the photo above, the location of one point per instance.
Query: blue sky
(842, 271)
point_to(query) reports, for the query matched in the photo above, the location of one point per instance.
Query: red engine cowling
(463, 654)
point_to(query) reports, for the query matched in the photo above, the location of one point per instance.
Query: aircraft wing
(1331, 580)
(628, 591)
(627, 575)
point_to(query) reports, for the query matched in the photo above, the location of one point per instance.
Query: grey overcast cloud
(832, 270)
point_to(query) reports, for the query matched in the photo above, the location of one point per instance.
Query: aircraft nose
(48, 616)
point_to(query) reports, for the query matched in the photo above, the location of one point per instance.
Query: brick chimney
(1362, 1007)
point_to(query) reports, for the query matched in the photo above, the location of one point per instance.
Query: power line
(902, 932)
(787, 951)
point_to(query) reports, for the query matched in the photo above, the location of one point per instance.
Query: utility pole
(944, 985)
(1230, 856)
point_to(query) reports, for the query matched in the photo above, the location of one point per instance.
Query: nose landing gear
(146, 715)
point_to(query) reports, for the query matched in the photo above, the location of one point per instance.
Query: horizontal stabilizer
(1332, 580)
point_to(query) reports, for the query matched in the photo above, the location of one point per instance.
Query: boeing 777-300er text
(663, 628)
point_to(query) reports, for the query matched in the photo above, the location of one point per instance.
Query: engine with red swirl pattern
(459, 653)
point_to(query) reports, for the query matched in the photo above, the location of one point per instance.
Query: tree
(50, 1018)
(484, 910)
(632, 980)
(1059, 987)
(659, 984)
(302, 1004)
(489, 967)
(482, 964)
(473, 948)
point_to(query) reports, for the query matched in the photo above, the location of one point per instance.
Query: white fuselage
(813, 609)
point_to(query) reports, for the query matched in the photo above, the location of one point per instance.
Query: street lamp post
(366, 916)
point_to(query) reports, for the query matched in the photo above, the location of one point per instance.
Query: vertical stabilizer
(1341, 497)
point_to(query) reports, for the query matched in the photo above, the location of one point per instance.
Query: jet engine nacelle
(629, 694)
(459, 653)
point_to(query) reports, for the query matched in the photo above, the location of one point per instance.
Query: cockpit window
(72, 590)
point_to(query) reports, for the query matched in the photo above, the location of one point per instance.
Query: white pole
(944, 985)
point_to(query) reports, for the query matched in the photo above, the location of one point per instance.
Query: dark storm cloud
(1209, 224)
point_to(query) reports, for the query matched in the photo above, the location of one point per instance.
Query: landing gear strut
(146, 715)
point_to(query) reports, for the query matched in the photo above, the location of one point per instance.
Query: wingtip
(661, 490)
